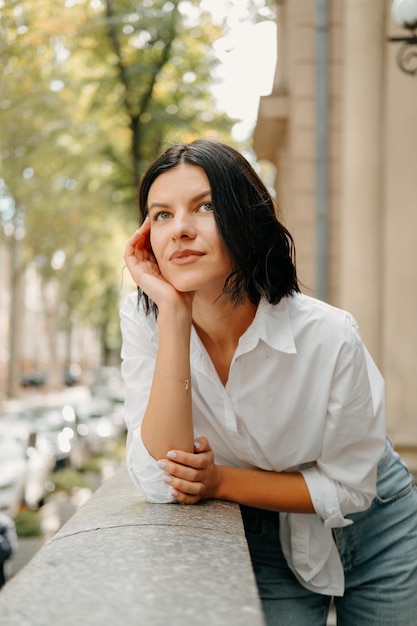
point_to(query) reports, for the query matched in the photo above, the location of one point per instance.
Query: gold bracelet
(186, 382)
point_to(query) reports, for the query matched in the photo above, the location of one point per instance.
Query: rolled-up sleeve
(343, 480)
(144, 471)
(139, 347)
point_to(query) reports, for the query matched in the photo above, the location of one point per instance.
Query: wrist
(219, 489)
(176, 317)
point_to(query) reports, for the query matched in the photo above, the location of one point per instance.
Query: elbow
(152, 487)
(155, 498)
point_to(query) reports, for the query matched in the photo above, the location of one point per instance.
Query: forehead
(184, 179)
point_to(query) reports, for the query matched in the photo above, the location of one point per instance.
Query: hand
(192, 476)
(145, 271)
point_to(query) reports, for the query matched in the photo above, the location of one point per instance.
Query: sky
(248, 57)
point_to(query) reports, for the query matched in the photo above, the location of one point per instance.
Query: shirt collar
(272, 325)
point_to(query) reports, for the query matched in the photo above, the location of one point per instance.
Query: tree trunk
(50, 308)
(16, 317)
(139, 108)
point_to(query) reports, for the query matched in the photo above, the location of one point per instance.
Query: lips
(182, 257)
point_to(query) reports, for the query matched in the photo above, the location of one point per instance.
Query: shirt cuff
(325, 500)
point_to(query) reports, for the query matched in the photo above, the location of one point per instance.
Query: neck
(220, 326)
(222, 323)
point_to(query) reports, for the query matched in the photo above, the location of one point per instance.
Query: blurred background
(320, 95)
(90, 92)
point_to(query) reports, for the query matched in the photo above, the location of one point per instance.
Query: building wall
(399, 297)
(293, 149)
(372, 177)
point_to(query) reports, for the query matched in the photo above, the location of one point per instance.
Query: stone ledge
(120, 560)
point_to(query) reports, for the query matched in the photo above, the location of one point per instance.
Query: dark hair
(260, 247)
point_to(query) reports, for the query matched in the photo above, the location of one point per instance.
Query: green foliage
(116, 450)
(69, 480)
(90, 92)
(29, 524)
(93, 465)
(163, 57)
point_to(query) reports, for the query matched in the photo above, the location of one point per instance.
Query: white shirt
(303, 395)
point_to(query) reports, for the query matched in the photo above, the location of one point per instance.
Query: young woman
(239, 387)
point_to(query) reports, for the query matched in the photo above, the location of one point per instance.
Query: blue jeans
(378, 552)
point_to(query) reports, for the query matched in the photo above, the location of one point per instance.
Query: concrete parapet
(120, 560)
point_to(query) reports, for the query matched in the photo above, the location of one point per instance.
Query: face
(184, 235)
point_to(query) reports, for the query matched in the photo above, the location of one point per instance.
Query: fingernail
(161, 464)
(171, 454)
(168, 479)
(174, 492)
(197, 445)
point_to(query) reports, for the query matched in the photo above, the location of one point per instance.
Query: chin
(184, 284)
(187, 284)
(185, 287)
(191, 286)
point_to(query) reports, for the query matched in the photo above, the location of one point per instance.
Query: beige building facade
(341, 128)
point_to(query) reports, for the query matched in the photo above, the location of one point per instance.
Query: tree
(163, 61)
(88, 94)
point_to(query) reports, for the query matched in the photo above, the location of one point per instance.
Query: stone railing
(120, 560)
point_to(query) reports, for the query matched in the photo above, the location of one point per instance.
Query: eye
(161, 216)
(206, 207)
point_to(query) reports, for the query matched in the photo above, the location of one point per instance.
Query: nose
(183, 225)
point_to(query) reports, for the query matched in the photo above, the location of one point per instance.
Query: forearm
(167, 422)
(275, 491)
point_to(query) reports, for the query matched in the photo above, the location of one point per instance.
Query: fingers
(184, 481)
(139, 242)
(185, 466)
(189, 474)
(182, 490)
(198, 460)
(201, 444)
(140, 234)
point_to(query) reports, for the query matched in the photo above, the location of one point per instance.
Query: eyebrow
(164, 205)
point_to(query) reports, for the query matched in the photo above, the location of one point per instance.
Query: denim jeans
(378, 552)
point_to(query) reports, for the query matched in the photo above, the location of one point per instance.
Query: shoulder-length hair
(261, 249)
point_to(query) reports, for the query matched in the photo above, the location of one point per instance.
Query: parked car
(98, 422)
(13, 470)
(36, 378)
(108, 383)
(35, 452)
(70, 375)
(57, 424)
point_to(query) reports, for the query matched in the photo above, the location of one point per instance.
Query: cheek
(228, 265)
(222, 252)
(153, 240)
(158, 246)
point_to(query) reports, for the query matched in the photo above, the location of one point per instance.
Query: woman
(239, 387)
